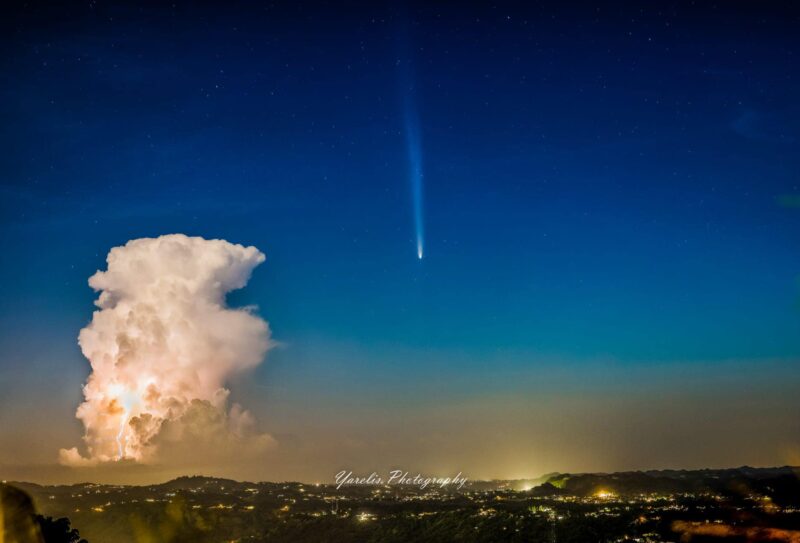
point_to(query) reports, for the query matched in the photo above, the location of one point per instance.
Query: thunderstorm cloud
(162, 346)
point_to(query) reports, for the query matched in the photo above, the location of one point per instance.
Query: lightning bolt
(120, 447)
(126, 399)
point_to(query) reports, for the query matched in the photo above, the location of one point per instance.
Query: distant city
(744, 504)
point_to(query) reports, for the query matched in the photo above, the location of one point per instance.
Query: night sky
(609, 198)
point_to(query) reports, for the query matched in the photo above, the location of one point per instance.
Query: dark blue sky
(599, 183)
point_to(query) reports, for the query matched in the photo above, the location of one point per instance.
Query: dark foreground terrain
(744, 504)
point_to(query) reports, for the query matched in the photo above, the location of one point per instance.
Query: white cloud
(163, 345)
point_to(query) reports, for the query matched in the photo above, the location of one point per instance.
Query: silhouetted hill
(575, 507)
(197, 482)
(781, 484)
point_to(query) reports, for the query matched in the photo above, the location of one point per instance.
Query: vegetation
(58, 530)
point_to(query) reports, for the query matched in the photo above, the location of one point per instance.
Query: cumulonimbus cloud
(163, 345)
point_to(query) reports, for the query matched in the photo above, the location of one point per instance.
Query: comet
(415, 161)
(414, 149)
(413, 139)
